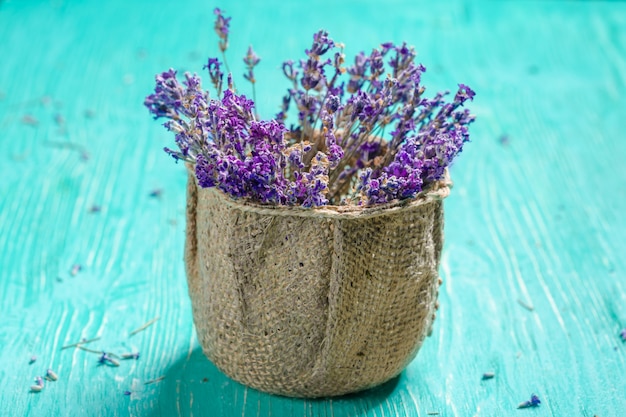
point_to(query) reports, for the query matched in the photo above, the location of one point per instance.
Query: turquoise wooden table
(92, 211)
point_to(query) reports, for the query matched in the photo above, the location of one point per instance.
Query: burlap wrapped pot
(312, 302)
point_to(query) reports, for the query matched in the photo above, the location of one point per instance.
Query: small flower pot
(312, 302)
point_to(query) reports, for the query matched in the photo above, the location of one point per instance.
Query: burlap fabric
(317, 302)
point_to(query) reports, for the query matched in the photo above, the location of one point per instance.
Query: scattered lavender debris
(95, 209)
(488, 375)
(504, 140)
(106, 359)
(334, 153)
(32, 360)
(533, 402)
(144, 326)
(39, 385)
(134, 355)
(29, 120)
(622, 335)
(83, 341)
(156, 193)
(51, 375)
(155, 380)
(76, 268)
(127, 392)
(524, 304)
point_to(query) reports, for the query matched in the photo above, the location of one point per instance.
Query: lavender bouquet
(313, 239)
(360, 134)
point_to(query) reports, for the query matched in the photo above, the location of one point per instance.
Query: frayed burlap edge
(312, 302)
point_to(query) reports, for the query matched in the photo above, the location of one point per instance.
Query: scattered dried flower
(39, 385)
(526, 305)
(622, 335)
(106, 359)
(51, 375)
(533, 402)
(29, 120)
(76, 268)
(155, 380)
(134, 355)
(32, 360)
(144, 326)
(156, 193)
(83, 341)
(127, 392)
(488, 375)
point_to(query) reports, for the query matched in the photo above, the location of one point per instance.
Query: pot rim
(437, 191)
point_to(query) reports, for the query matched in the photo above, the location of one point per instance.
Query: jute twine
(312, 302)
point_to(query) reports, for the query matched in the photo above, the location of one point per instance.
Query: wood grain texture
(536, 215)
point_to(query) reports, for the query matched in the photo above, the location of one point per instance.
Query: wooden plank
(536, 215)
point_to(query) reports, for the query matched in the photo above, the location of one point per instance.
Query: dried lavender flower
(533, 402)
(222, 28)
(105, 359)
(335, 151)
(76, 268)
(133, 355)
(51, 375)
(251, 60)
(622, 335)
(216, 74)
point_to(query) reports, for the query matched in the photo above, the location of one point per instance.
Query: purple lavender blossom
(321, 44)
(222, 28)
(167, 98)
(313, 73)
(216, 74)
(464, 94)
(334, 151)
(251, 60)
(289, 71)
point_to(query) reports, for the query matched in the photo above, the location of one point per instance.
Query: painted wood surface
(536, 218)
